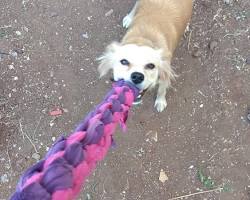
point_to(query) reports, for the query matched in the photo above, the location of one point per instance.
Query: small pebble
(191, 167)
(248, 61)
(88, 197)
(109, 12)
(13, 54)
(228, 1)
(25, 29)
(85, 35)
(27, 57)
(196, 52)
(65, 110)
(248, 117)
(18, 33)
(163, 176)
(53, 139)
(53, 14)
(212, 45)
(51, 73)
(36, 156)
(4, 178)
(19, 51)
(11, 67)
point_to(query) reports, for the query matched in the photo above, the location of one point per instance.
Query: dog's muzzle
(139, 98)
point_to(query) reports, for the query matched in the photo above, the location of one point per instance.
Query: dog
(144, 55)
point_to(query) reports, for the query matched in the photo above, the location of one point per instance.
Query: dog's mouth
(139, 97)
(141, 93)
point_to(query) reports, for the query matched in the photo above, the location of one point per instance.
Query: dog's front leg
(161, 102)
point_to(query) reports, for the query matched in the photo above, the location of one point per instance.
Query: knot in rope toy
(60, 175)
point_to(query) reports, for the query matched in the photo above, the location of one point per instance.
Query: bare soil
(48, 52)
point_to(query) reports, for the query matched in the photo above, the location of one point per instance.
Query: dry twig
(219, 189)
(24, 134)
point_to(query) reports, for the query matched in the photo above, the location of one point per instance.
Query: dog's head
(140, 65)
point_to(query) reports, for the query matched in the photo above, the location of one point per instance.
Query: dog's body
(145, 52)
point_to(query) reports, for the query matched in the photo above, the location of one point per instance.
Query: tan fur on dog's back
(155, 29)
(159, 24)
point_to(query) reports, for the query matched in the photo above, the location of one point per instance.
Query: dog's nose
(137, 77)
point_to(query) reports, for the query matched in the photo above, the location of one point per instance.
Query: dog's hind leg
(128, 19)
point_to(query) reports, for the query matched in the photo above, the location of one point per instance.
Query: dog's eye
(150, 66)
(125, 62)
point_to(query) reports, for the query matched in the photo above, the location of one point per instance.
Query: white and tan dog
(143, 57)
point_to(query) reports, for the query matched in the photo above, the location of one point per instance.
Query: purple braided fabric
(60, 175)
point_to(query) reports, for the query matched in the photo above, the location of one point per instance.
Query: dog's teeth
(137, 102)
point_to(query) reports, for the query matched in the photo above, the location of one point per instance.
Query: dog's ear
(166, 72)
(107, 59)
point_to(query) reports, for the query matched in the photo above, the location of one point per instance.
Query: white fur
(160, 103)
(128, 19)
(138, 57)
(147, 29)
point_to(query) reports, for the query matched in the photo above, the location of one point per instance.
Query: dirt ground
(47, 61)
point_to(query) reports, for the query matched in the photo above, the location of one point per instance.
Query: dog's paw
(160, 104)
(127, 20)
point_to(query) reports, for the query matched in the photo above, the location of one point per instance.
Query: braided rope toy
(61, 174)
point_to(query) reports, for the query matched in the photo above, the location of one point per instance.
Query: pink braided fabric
(61, 174)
